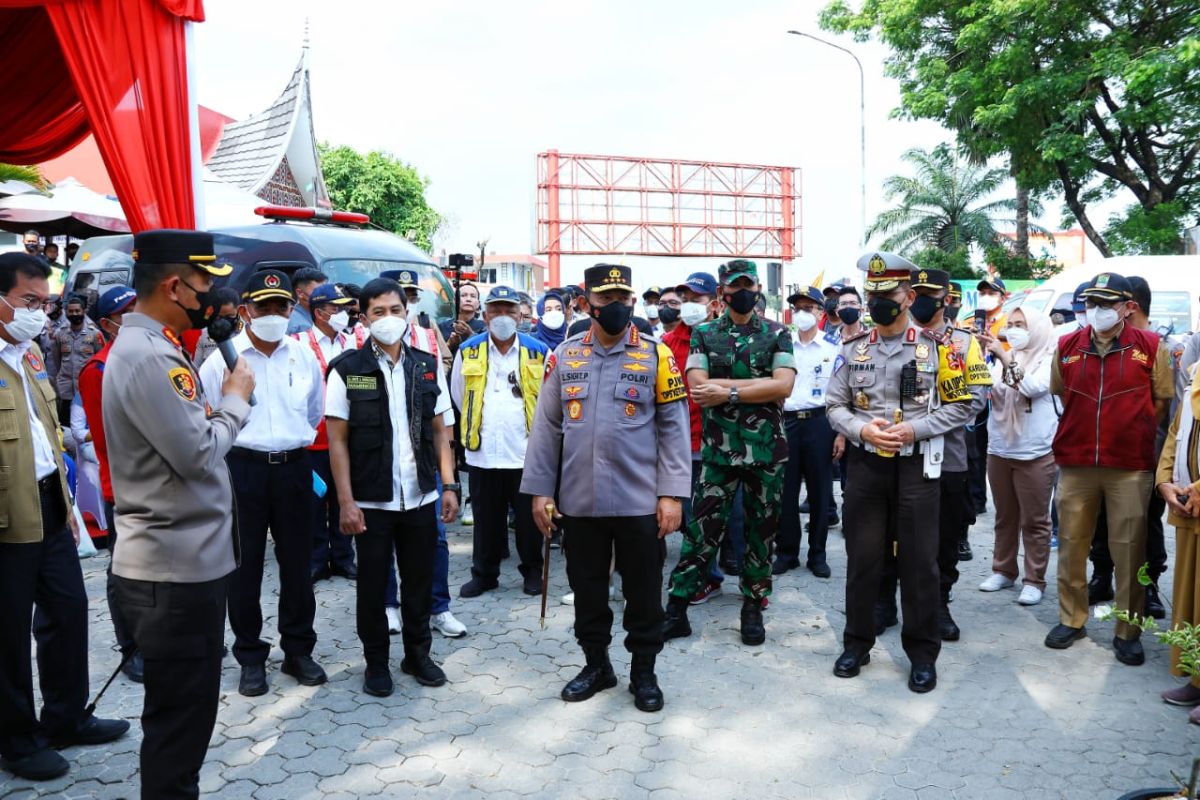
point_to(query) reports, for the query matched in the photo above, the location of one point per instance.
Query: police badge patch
(183, 383)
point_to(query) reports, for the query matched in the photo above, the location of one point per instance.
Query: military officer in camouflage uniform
(928, 311)
(611, 440)
(894, 394)
(740, 370)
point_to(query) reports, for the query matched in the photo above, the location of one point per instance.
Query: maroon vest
(1108, 402)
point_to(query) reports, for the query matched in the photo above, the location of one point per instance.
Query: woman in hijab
(552, 322)
(1020, 465)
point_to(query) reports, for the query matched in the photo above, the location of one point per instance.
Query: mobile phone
(980, 320)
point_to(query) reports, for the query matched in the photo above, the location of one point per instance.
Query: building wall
(281, 189)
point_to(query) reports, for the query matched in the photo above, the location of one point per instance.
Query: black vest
(370, 423)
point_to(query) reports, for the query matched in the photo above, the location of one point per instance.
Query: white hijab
(1008, 404)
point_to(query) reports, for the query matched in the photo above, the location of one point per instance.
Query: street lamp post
(862, 118)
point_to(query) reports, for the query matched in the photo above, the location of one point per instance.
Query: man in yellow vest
(495, 383)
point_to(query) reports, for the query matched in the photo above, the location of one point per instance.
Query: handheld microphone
(221, 331)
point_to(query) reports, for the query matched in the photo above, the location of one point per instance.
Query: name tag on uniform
(362, 382)
(926, 366)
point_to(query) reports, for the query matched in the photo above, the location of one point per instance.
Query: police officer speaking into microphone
(174, 502)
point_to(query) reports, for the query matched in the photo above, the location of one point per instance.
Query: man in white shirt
(810, 439)
(387, 443)
(495, 382)
(271, 471)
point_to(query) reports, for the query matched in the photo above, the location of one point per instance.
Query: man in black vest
(384, 404)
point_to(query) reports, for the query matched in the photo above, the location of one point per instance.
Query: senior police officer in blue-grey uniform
(611, 396)
(174, 502)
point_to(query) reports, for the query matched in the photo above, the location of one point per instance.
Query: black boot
(1154, 603)
(947, 628)
(597, 676)
(1100, 588)
(885, 616)
(753, 632)
(643, 684)
(675, 622)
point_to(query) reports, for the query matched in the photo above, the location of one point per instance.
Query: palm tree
(30, 175)
(944, 206)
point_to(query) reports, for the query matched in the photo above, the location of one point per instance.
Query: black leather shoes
(44, 765)
(753, 630)
(1062, 636)
(532, 586)
(1100, 588)
(93, 731)
(254, 680)
(849, 664)
(377, 682)
(306, 671)
(782, 565)
(1129, 651)
(347, 571)
(643, 684)
(135, 667)
(424, 670)
(947, 628)
(820, 569)
(922, 678)
(964, 551)
(885, 617)
(591, 679)
(476, 587)
(675, 621)
(1154, 603)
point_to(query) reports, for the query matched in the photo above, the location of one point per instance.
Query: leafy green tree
(30, 175)
(391, 192)
(956, 262)
(1086, 97)
(944, 205)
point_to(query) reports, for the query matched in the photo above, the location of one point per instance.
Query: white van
(1174, 281)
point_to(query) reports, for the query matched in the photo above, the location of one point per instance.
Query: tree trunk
(1022, 245)
(1079, 209)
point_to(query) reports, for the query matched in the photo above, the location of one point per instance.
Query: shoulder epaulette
(857, 336)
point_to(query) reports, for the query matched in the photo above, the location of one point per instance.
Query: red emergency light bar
(312, 215)
(466, 276)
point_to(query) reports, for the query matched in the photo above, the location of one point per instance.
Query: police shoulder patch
(183, 382)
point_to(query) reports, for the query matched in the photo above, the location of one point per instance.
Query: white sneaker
(568, 599)
(450, 627)
(1030, 596)
(468, 517)
(393, 618)
(995, 583)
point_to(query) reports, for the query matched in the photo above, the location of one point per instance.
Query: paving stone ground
(1009, 718)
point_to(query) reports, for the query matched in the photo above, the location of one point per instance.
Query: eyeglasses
(671, 303)
(512, 384)
(29, 302)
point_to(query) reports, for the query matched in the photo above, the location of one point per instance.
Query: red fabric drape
(120, 71)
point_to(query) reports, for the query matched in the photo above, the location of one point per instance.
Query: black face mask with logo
(925, 308)
(884, 310)
(613, 318)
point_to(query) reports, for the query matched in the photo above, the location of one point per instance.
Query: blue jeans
(441, 567)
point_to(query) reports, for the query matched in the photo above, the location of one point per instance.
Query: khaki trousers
(1021, 491)
(1185, 600)
(1124, 493)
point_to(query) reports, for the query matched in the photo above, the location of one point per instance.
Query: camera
(459, 260)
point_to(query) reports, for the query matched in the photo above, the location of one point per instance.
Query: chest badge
(630, 410)
(862, 352)
(639, 356)
(575, 410)
(576, 364)
(183, 383)
(572, 390)
(922, 350)
(861, 400)
(34, 362)
(634, 366)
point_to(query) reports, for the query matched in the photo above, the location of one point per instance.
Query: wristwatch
(733, 395)
(452, 487)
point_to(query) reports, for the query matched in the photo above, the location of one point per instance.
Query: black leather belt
(273, 457)
(50, 484)
(807, 413)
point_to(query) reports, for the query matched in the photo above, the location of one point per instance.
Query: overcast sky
(470, 92)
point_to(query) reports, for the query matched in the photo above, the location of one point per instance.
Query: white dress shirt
(814, 365)
(406, 490)
(503, 436)
(287, 394)
(330, 348)
(43, 454)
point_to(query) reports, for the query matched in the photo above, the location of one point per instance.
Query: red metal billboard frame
(608, 205)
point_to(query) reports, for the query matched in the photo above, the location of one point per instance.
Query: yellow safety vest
(531, 369)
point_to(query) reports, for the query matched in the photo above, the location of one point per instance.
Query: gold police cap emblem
(614, 273)
(406, 277)
(271, 281)
(876, 266)
(922, 276)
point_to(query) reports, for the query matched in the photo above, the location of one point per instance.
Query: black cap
(653, 291)
(929, 279)
(1108, 286)
(168, 246)
(807, 293)
(266, 284)
(955, 292)
(404, 277)
(608, 277)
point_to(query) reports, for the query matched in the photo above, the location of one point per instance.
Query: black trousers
(275, 497)
(977, 448)
(47, 574)
(331, 547)
(180, 630)
(492, 492)
(884, 494)
(414, 536)
(810, 445)
(590, 543)
(121, 630)
(1156, 545)
(952, 527)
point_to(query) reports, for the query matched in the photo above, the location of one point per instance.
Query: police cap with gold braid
(885, 271)
(167, 246)
(929, 279)
(608, 278)
(266, 284)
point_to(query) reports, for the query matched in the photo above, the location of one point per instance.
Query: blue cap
(995, 284)
(807, 293)
(404, 277)
(115, 301)
(701, 283)
(1077, 304)
(328, 293)
(502, 294)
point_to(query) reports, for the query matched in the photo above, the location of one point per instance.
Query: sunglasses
(513, 385)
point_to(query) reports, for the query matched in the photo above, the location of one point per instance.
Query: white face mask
(1017, 337)
(339, 321)
(651, 311)
(25, 324)
(271, 328)
(805, 320)
(389, 330)
(503, 328)
(1103, 319)
(987, 302)
(553, 320)
(693, 314)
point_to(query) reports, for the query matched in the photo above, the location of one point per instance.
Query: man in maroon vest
(1115, 384)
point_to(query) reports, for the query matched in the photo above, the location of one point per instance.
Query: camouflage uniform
(742, 444)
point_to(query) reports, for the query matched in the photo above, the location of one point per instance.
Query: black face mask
(200, 317)
(668, 315)
(742, 301)
(31, 248)
(952, 313)
(925, 308)
(75, 319)
(613, 318)
(884, 310)
(831, 307)
(849, 316)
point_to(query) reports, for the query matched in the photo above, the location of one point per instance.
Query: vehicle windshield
(436, 293)
(1171, 312)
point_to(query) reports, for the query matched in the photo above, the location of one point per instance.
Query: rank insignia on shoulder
(183, 383)
(551, 363)
(575, 409)
(856, 337)
(171, 337)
